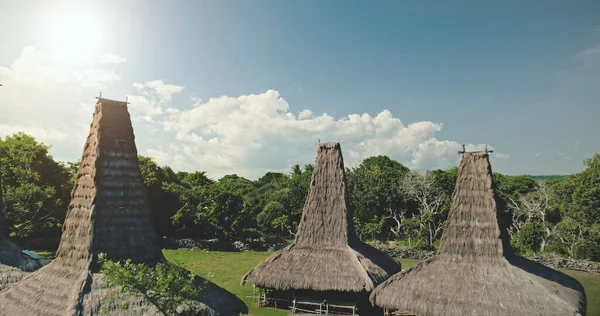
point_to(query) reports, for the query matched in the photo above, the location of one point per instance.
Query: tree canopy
(389, 201)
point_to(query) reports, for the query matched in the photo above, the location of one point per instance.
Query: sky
(252, 86)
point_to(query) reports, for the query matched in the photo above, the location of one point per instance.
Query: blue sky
(214, 84)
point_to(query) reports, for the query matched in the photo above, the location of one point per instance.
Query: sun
(74, 36)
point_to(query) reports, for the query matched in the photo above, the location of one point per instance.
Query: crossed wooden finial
(339, 141)
(486, 150)
(100, 97)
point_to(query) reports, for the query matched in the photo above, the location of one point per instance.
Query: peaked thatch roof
(14, 265)
(108, 213)
(475, 272)
(326, 254)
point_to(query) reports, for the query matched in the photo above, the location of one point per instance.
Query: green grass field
(227, 268)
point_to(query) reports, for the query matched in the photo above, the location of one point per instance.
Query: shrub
(169, 287)
(529, 238)
(587, 250)
(556, 247)
(420, 244)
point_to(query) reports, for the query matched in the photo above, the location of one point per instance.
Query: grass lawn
(227, 268)
(591, 283)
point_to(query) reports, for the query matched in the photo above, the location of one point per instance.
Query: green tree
(296, 170)
(423, 189)
(172, 289)
(299, 185)
(534, 207)
(193, 179)
(577, 199)
(585, 207)
(275, 220)
(374, 189)
(511, 187)
(36, 188)
(445, 179)
(570, 232)
(529, 237)
(164, 193)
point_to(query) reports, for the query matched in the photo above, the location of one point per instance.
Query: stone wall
(392, 251)
(571, 264)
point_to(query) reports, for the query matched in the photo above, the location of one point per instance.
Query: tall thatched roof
(475, 272)
(14, 264)
(108, 213)
(326, 254)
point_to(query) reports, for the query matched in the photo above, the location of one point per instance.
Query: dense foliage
(389, 201)
(169, 287)
(36, 188)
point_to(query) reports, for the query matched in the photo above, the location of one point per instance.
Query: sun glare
(74, 36)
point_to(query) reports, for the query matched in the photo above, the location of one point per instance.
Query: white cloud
(589, 53)
(150, 98)
(252, 134)
(501, 156)
(248, 135)
(587, 59)
(51, 100)
(304, 114)
(40, 133)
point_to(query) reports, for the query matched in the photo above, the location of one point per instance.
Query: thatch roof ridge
(109, 213)
(326, 253)
(475, 271)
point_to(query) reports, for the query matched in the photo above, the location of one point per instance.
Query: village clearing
(227, 268)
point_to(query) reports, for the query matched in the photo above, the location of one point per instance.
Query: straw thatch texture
(475, 271)
(10, 275)
(108, 213)
(326, 254)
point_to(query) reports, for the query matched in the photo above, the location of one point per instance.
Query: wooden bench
(350, 306)
(297, 302)
(323, 307)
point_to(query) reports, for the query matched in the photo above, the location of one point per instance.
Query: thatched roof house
(14, 264)
(475, 272)
(108, 213)
(326, 254)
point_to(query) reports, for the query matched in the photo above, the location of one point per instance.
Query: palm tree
(296, 171)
